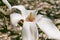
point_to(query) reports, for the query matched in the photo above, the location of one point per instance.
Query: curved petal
(21, 8)
(15, 18)
(47, 26)
(7, 3)
(24, 11)
(38, 17)
(30, 31)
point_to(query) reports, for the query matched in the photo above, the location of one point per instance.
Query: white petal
(38, 17)
(47, 26)
(21, 8)
(15, 18)
(7, 3)
(30, 31)
(24, 11)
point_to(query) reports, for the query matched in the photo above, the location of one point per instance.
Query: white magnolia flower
(31, 20)
(30, 31)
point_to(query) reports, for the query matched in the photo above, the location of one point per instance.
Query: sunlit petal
(47, 26)
(7, 3)
(29, 31)
(38, 17)
(14, 18)
(21, 8)
(24, 11)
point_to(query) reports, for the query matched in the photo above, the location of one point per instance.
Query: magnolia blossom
(30, 31)
(31, 22)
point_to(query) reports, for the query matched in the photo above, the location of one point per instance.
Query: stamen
(30, 17)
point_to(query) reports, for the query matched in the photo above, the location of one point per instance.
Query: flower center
(30, 17)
